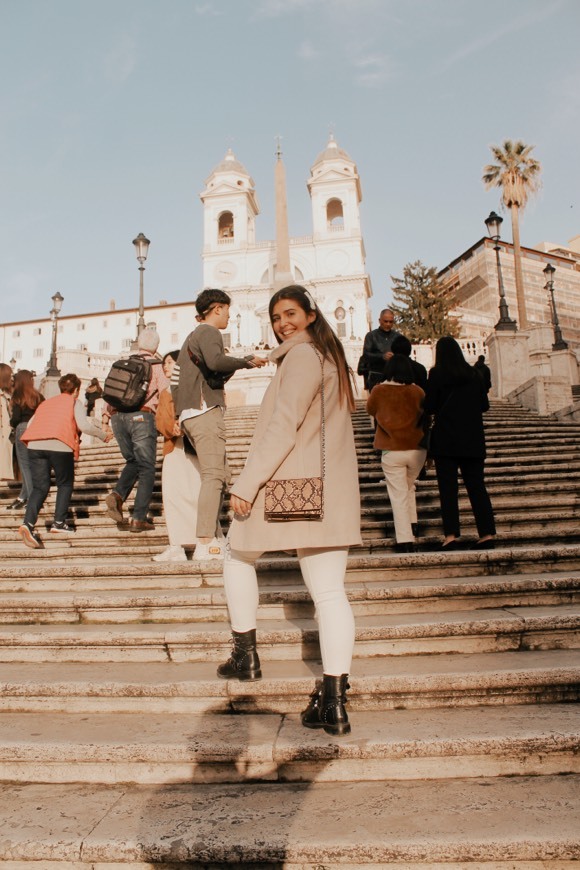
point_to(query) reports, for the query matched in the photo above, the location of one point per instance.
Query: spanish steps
(120, 748)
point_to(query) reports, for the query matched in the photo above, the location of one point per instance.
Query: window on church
(334, 214)
(226, 225)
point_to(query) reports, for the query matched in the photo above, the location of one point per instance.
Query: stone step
(377, 684)
(30, 567)
(377, 634)
(505, 501)
(391, 745)
(282, 598)
(501, 823)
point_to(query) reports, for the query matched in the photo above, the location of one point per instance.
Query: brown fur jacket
(398, 409)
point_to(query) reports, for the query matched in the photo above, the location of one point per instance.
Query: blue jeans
(23, 462)
(41, 463)
(137, 439)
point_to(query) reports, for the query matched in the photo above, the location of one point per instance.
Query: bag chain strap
(322, 417)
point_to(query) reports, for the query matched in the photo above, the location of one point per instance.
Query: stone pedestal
(49, 386)
(508, 361)
(564, 364)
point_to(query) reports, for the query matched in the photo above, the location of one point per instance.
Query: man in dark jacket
(197, 387)
(377, 349)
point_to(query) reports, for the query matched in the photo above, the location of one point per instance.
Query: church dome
(332, 152)
(231, 164)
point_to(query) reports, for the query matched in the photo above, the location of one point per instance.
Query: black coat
(458, 408)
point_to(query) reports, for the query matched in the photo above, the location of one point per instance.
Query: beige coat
(6, 466)
(286, 444)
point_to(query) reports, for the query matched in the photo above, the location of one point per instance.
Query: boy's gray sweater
(188, 386)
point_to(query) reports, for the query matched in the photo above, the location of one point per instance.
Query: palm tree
(517, 174)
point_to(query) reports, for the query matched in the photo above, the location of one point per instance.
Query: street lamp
(493, 224)
(559, 343)
(53, 371)
(351, 312)
(238, 321)
(141, 248)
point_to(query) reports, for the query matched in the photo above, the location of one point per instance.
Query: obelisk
(282, 272)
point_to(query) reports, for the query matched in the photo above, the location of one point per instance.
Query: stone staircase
(120, 748)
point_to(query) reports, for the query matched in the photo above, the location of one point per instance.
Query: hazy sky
(115, 112)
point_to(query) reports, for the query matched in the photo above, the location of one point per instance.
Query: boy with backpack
(132, 390)
(197, 386)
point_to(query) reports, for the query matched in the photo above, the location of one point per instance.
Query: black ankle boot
(326, 707)
(244, 663)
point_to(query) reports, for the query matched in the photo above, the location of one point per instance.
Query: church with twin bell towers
(330, 262)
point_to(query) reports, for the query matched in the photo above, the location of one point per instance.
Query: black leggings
(447, 469)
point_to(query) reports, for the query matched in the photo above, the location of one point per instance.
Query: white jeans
(323, 572)
(401, 468)
(180, 486)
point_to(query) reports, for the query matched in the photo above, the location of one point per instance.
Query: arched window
(334, 213)
(226, 225)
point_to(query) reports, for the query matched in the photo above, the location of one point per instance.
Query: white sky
(115, 112)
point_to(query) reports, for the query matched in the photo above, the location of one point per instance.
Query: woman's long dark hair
(5, 377)
(25, 394)
(450, 362)
(399, 369)
(323, 337)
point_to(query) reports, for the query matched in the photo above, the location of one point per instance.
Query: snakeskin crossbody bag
(299, 498)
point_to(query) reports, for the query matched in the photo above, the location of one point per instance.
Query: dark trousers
(23, 462)
(41, 464)
(447, 469)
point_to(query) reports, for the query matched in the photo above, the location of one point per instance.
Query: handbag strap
(322, 417)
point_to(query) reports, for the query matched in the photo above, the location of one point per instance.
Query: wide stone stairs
(119, 747)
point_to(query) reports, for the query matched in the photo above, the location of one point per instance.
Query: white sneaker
(171, 554)
(208, 552)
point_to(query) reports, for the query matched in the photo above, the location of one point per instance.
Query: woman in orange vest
(53, 439)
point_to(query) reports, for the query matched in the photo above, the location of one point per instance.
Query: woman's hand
(240, 506)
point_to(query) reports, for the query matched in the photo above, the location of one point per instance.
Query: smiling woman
(311, 385)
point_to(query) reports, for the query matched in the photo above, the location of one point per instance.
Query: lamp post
(493, 224)
(238, 321)
(559, 343)
(53, 371)
(141, 248)
(351, 312)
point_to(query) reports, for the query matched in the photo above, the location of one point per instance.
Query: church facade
(330, 262)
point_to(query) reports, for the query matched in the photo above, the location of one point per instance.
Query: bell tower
(341, 277)
(335, 192)
(230, 207)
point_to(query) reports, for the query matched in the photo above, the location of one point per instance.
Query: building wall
(472, 281)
